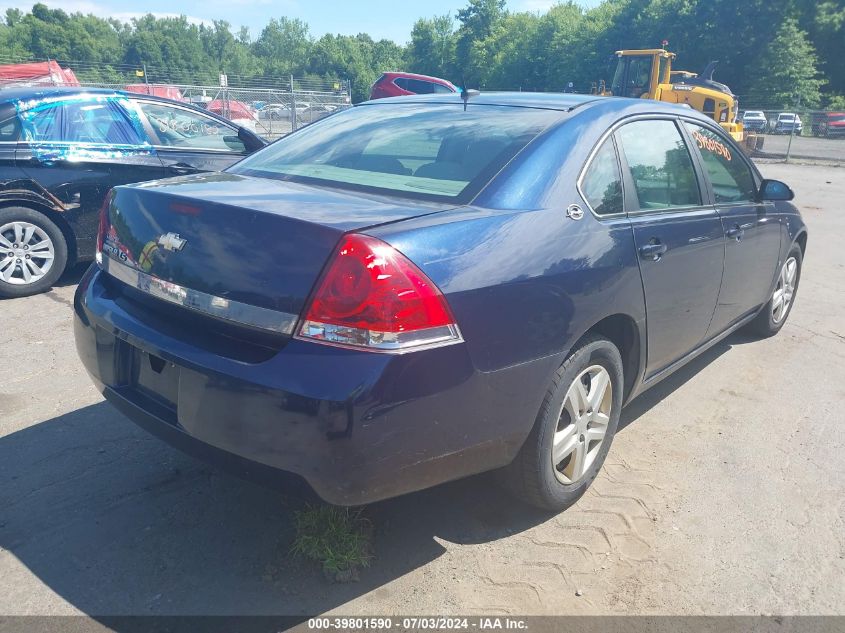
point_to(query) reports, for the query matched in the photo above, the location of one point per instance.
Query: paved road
(724, 493)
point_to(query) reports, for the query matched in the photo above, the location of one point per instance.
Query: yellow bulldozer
(648, 74)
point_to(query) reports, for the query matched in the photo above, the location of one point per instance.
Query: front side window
(602, 181)
(632, 77)
(183, 129)
(90, 121)
(730, 176)
(432, 151)
(660, 165)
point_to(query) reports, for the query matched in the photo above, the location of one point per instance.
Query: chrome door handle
(653, 250)
(182, 168)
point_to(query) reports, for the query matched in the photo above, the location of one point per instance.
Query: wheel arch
(624, 332)
(801, 240)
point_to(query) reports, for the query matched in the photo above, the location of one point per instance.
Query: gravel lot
(829, 149)
(724, 493)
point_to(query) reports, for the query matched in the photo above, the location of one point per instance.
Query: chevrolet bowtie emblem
(172, 242)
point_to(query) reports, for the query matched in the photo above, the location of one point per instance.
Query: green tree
(478, 21)
(827, 32)
(791, 65)
(284, 47)
(432, 47)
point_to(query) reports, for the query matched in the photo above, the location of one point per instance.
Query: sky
(389, 19)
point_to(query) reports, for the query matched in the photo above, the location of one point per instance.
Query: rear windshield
(433, 151)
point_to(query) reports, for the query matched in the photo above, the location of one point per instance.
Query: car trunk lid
(243, 249)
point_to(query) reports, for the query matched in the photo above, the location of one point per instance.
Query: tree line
(772, 53)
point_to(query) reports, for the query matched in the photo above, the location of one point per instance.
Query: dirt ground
(724, 492)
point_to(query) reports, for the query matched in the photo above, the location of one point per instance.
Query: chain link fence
(271, 106)
(270, 112)
(796, 134)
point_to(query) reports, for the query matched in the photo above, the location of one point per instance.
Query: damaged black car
(62, 149)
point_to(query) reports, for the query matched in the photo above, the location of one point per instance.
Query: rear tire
(774, 314)
(543, 473)
(33, 252)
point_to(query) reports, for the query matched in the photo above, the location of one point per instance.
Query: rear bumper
(355, 426)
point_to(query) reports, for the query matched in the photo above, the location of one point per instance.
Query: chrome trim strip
(381, 342)
(226, 309)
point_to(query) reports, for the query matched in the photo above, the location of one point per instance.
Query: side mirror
(234, 143)
(775, 190)
(252, 142)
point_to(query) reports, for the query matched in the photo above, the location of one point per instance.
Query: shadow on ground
(72, 275)
(116, 522)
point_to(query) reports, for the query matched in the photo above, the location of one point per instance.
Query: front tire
(33, 252)
(774, 314)
(573, 430)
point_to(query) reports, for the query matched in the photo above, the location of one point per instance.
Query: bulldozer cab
(640, 72)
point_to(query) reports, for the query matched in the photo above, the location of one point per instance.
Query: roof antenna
(467, 93)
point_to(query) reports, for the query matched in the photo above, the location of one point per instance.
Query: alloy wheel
(582, 424)
(26, 253)
(785, 290)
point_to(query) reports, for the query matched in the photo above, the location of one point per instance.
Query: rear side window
(98, 121)
(660, 165)
(602, 181)
(432, 151)
(417, 86)
(10, 130)
(730, 176)
(441, 89)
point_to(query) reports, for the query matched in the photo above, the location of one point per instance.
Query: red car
(829, 124)
(400, 84)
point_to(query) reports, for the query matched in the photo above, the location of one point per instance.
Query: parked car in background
(395, 84)
(158, 90)
(316, 112)
(788, 123)
(281, 111)
(62, 149)
(829, 124)
(414, 290)
(754, 121)
(235, 111)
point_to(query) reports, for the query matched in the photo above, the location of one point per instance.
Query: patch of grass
(339, 539)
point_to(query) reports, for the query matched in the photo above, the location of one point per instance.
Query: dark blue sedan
(418, 289)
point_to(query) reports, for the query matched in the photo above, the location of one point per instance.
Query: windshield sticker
(712, 145)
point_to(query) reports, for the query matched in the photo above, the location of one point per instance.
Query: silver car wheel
(582, 424)
(785, 290)
(26, 253)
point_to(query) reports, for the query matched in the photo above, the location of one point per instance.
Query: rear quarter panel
(524, 281)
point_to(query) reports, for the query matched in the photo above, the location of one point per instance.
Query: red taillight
(374, 297)
(104, 224)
